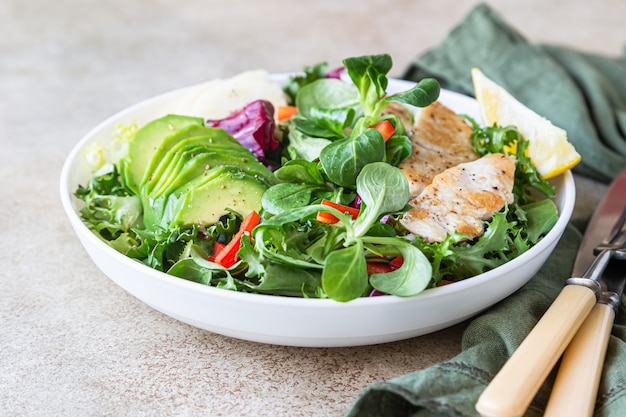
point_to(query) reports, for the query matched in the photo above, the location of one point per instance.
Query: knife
(510, 392)
(576, 385)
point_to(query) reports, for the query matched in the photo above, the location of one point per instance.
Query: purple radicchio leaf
(252, 126)
(336, 73)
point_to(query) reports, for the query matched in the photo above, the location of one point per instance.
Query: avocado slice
(186, 136)
(170, 165)
(199, 164)
(192, 146)
(206, 201)
(146, 141)
(193, 155)
(187, 173)
(159, 210)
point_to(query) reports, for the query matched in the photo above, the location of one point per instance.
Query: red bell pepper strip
(396, 262)
(228, 255)
(378, 268)
(326, 217)
(383, 267)
(217, 248)
(385, 128)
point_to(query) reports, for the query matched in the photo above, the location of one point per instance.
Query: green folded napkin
(452, 388)
(586, 95)
(583, 93)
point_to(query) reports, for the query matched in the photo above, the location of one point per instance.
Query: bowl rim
(568, 194)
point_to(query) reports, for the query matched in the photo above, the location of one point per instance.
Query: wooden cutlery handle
(509, 394)
(576, 385)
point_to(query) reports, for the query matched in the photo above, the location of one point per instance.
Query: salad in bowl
(318, 190)
(320, 208)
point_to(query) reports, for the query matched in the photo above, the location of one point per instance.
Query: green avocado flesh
(186, 137)
(144, 144)
(204, 202)
(187, 173)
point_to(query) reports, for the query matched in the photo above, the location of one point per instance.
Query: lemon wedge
(548, 148)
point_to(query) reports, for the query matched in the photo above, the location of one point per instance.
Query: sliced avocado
(159, 210)
(205, 203)
(200, 164)
(190, 147)
(201, 199)
(192, 156)
(184, 137)
(187, 173)
(170, 165)
(145, 143)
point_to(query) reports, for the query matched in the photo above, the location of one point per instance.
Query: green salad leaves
(329, 208)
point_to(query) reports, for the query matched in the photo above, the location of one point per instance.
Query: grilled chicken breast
(461, 198)
(441, 140)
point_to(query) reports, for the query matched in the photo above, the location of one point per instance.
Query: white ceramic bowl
(295, 321)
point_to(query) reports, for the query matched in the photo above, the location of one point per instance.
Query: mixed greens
(307, 207)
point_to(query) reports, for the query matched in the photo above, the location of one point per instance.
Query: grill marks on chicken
(440, 140)
(461, 198)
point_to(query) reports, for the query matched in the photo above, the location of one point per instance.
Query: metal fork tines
(616, 244)
(613, 247)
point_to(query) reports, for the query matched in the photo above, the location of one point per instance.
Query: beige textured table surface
(74, 344)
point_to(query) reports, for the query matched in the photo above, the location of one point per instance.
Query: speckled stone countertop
(72, 342)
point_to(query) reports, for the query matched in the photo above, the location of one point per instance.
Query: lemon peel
(549, 149)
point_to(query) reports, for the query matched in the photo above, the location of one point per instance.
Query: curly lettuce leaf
(508, 234)
(110, 209)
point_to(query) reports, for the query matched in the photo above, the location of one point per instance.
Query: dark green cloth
(583, 93)
(451, 388)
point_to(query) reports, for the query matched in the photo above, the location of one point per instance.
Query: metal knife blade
(601, 224)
